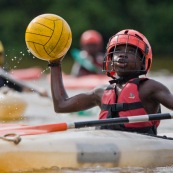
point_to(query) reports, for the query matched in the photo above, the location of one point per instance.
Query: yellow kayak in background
(12, 106)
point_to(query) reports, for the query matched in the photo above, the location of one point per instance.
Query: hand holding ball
(48, 37)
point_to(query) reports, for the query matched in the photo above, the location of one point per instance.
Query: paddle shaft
(47, 128)
(132, 119)
(19, 83)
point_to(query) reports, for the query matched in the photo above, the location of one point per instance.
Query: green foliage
(152, 18)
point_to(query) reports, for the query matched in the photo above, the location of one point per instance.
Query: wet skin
(151, 92)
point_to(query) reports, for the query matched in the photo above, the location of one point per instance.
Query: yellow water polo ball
(48, 37)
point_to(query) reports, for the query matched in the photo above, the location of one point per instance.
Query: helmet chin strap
(109, 75)
(124, 79)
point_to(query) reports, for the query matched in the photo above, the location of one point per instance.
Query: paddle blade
(32, 130)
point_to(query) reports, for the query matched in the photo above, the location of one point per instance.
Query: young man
(89, 59)
(128, 56)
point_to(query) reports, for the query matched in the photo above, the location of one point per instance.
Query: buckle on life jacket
(119, 106)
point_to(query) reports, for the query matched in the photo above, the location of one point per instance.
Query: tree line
(151, 17)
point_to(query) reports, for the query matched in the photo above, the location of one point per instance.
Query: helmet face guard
(128, 38)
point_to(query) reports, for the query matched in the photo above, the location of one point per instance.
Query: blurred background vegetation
(151, 17)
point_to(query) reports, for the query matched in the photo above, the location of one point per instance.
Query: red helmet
(91, 36)
(129, 37)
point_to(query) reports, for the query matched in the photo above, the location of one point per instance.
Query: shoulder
(152, 85)
(149, 81)
(98, 93)
(100, 89)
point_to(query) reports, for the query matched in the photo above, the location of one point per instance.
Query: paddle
(46, 128)
(22, 84)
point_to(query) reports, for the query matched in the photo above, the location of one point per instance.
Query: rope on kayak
(11, 137)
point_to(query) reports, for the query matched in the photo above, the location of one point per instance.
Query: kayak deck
(85, 148)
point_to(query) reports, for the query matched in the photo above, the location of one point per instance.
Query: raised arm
(64, 103)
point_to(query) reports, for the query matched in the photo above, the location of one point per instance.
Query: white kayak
(85, 148)
(12, 106)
